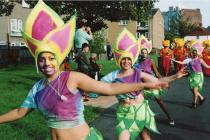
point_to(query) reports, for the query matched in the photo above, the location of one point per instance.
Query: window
(138, 34)
(16, 25)
(146, 34)
(123, 22)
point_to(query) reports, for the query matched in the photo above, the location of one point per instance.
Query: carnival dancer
(148, 66)
(196, 77)
(134, 115)
(166, 54)
(206, 56)
(187, 46)
(179, 52)
(57, 96)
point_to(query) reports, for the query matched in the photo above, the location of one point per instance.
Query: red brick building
(194, 16)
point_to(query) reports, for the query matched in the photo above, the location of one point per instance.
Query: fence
(14, 56)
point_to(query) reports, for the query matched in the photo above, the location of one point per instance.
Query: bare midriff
(76, 133)
(137, 100)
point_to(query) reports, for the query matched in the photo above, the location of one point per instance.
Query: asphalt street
(190, 124)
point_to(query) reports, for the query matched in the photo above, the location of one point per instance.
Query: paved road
(190, 124)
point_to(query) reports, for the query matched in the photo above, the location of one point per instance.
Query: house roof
(199, 31)
(208, 28)
(154, 11)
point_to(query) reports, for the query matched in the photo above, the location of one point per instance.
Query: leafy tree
(6, 7)
(98, 43)
(97, 11)
(180, 28)
(186, 27)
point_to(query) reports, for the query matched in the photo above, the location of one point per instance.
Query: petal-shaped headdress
(166, 43)
(126, 46)
(198, 47)
(145, 44)
(45, 31)
(179, 42)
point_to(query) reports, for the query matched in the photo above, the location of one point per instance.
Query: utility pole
(8, 42)
(8, 50)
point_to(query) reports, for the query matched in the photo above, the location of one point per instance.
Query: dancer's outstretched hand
(156, 85)
(182, 72)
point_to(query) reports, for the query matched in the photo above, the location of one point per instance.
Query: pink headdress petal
(144, 43)
(126, 46)
(42, 20)
(63, 38)
(39, 23)
(198, 46)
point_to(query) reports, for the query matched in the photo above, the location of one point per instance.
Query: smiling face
(144, 53)
(194, 53)
(47, 64)
(126, 63)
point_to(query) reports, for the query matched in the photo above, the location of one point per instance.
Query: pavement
(190, 124)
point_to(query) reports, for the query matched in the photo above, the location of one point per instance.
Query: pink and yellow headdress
(45, 31)
(179, 42)
(145, 44)
(166, 43)
(198, 47)
(126, 46)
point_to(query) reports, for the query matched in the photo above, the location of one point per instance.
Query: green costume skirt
(196, 80)
(152, 94)
(135, 119)
(94, 135)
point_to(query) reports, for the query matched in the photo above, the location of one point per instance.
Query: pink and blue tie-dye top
(46, 99)
(196, 65)
(193, 65)
(133, 78)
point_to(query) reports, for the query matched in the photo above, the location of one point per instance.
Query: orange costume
(206, 56)
(166, 54)
(179, 52)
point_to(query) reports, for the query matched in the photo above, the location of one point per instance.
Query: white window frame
(16, 25)
(123, 22)
(138, 35)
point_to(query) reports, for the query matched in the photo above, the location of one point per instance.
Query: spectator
(84, 64)
(109, 51)
(82, 35)
(96, 68)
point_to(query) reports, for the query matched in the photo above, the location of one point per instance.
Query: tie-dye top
(56, 111)
(133, 78)
(146, 66)
(193, 65)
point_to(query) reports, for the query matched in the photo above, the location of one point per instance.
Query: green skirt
(135, 119)
(196, 80)
(94, 135)
(152, 94)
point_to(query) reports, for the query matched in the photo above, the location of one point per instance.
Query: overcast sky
(203, 5)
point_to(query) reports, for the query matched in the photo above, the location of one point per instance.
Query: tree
(96, 12)
(186, 27)
(98, 43)
(180, 28)
(6, 7)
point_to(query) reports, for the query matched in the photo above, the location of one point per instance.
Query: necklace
(62, 97)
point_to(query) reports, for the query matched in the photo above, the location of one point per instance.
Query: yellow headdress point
(179, 42)
(206, 43)
(166, 43)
